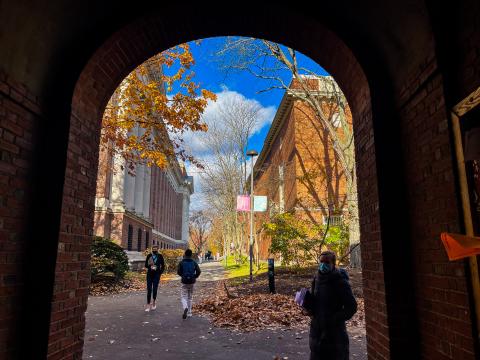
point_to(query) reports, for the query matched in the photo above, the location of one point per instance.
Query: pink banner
(243, 203)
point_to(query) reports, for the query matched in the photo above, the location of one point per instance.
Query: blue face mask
(325, 268)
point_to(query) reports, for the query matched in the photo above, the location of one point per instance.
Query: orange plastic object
(460, 246)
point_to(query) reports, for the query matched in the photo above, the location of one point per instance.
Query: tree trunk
(257, 252)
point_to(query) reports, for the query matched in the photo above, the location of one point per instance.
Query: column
(139, 183)
(158, 199)
(154, 207)
(185, 214)
(166, 207)
(146, 191)
(129, 191)
(170, 210)
(117, 184)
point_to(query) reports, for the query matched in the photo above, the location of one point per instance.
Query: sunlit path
(118, 328)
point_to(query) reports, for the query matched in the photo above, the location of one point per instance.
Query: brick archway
(134, 44)
(53, 91)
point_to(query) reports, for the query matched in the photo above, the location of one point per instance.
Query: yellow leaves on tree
(142, 112)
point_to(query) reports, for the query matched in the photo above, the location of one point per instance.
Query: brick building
(297, 168)
(150, 207)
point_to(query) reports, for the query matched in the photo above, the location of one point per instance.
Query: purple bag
(300, 296)
(304, 299)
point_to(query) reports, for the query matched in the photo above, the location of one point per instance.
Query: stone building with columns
(148, 208)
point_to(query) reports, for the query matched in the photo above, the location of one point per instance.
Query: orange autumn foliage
(144, 121)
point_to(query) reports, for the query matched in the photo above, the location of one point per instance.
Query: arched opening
(132, 45)
(361, 106)
(308, 152)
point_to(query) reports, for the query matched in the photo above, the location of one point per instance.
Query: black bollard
(271, 275)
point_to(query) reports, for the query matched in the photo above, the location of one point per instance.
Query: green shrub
(300, 241)
(107, 257)
(338, 240)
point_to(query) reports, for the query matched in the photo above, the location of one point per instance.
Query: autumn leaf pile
(246, 306)
(107, 287)
(253, 312)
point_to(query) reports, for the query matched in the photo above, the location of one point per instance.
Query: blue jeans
(153, 278)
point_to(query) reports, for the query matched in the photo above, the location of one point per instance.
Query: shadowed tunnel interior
(60, 62)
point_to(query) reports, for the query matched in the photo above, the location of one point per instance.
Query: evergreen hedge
(107, 257)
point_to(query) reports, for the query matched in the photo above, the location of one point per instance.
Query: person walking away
(155, 265)
(332, 304)
(189, 271)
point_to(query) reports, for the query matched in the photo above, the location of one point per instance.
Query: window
(147, 239)
(335, 220)
(130, 238)
(139, 241)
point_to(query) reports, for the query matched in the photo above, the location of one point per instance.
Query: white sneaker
(147, 308)
(154, 306)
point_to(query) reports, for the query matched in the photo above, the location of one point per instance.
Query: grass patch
(243, 269)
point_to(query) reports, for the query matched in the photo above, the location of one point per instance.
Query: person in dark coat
(189, 271)
(155, 265)
(332, 304)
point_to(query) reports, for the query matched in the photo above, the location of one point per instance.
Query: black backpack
(188, 272)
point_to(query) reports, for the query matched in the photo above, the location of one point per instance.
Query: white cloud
(194, 142)
(266, 115)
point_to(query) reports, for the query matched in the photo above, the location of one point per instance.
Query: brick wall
(282, 153)
(442, 297)
(123, 221)
(19, 116)
(303, 147)
(103, 225)
(324, 183)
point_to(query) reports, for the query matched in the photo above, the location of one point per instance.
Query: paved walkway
(118, 328)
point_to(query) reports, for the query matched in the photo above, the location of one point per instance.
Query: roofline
(283, 109)
(277, 123)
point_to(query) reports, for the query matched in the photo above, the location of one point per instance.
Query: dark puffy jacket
(180, 268)
(332, 304)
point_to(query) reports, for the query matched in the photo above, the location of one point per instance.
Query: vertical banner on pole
(259, 203)
(243, 203)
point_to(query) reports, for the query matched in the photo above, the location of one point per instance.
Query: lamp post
(251, 154)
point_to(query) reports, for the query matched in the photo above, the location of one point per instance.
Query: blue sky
(211, 76)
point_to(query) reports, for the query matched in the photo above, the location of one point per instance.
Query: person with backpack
(331, 304)
(155, 265)
(189, 271)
